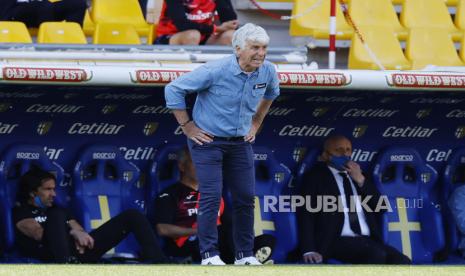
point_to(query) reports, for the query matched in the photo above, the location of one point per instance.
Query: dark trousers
(35, 12)
(364, 250)
(229, 162)
(61, 245)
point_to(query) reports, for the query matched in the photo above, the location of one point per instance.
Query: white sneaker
(247, 261)
(215, 260)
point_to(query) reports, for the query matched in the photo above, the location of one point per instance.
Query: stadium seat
(115, 33)
(309, 161)
(163, 173)
(414, 226)
(105, 184)
(379, 13)
(459, 19)
(453, 177)
(383, 43)
(431, 46)
(122, 12)
(14, 32)
(272, 179)
(88, 26)
(428, 14)
(61, 32)
(313, 20)
(15, 161)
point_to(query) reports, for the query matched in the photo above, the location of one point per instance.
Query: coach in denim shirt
(234, 95)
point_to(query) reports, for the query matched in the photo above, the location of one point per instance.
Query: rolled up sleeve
(272, 90)
(192, 82)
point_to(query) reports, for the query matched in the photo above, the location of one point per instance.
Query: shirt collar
(236, 69)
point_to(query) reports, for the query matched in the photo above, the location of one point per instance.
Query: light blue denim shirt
(457, 207)
(227, 97)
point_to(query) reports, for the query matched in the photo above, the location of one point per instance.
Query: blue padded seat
(105, 184)
(414, 226)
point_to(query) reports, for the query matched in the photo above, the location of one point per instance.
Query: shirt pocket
(259, 92)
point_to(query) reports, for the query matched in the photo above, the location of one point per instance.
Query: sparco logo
(460, 132)
(109, 108)
(320, 111)
(436, 101)
(407, 132)
(28, 155)
(359, 131)
(103, 155)
(44, 127)
(150, 128)
(260, 156)
(423, 113)
(401, 158)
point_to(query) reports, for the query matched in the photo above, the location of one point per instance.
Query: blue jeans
(230, 163)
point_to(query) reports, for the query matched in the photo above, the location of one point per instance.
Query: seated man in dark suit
(349, 234)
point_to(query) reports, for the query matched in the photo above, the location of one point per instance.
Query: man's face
(339, 147)
(252, 55)
(46, 192)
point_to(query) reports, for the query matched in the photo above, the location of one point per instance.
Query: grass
(189, 270)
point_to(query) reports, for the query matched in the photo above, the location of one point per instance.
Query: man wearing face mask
(50, 233)
(348, 234)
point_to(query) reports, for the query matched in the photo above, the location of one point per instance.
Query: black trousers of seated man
(364, 250)
(60, 244)
(34, 13)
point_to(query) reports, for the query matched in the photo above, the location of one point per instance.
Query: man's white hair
(249, 32)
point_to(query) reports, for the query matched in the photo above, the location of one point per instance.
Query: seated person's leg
(358, 250)
(115, 230)
(70, 10)
(189, 37)
(224, 38)
(56, 236)
(33, 13)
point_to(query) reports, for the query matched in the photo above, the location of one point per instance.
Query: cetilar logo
(359, 131)
(150, 128)
(460, 132)
(44, 127)
(109, 108)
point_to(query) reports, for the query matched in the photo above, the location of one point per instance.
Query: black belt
(230, 139)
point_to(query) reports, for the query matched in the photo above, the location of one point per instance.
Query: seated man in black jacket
(192, 22)
(51, 234)
(351, 235)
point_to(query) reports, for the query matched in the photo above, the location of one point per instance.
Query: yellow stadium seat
(124, 12)
(315, 22)
(14, 32)
(61, 32)
(115, 33)
(383, 42)
(459, 19)
(428, 14)
(378, 13)
(88, 25)
(451, 2)
(431, 46)
(397, 2)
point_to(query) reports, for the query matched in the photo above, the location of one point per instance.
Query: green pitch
(189, 270)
